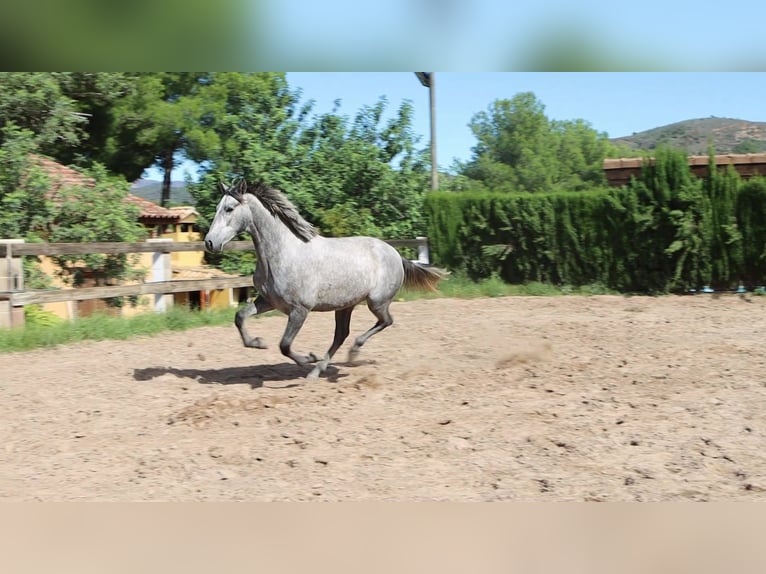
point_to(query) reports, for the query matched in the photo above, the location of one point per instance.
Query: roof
(149, 209)
(723, 159)
(61, 176)
(618, 171)
(184, 212)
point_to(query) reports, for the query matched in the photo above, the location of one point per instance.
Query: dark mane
(279, 206)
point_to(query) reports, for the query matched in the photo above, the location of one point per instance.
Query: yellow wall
(220, 298)
(72, 309)
(179, 233)
(145, 302)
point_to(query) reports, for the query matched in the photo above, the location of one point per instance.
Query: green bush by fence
(665, 231)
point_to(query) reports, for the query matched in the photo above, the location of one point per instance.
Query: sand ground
(602, 398)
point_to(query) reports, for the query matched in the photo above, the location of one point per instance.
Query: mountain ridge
(152, 190)
(726, 135)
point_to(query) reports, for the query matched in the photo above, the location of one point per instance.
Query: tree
(34, 101)
(751, 220)
(667, 226)
(365, 176)
(96, 213)
(164, 115)
(726, 248)
(24, 211)
(96, 96)
(520, 149)
(580, 155)
(514, 148)
(125, 121)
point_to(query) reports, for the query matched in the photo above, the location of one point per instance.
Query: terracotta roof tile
(61, 176)
(184, 211)
(149, 209)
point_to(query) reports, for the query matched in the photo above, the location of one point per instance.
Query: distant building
(176, 223)
(619, 171)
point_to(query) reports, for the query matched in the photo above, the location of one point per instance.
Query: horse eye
(228, 209)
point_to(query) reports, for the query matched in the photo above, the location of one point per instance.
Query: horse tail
(418, 277)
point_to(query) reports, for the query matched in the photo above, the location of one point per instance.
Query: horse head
(231, 216)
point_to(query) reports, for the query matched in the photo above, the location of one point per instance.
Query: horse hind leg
(342, 329)
(384, 320)
(259, 305)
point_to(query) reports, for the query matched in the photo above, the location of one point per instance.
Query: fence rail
(13, 296)
(159, 287)
(112, 248)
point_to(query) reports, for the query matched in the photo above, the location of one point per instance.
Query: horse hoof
(313, 375)
(257, 343)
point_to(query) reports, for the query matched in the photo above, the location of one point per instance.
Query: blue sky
(490, 35)
(618, 103)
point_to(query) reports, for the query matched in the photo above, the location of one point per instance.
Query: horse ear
(237, 188)
(222, 188)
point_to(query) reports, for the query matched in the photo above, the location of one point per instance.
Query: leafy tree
(164, 115)
(751, 220)
(24, 211)
(520, 149)
(95, 213)
(513, 150)
(725, 237)
(125, 121)
(366, 177)
(580, 155)
(96, 97)
(35, 102)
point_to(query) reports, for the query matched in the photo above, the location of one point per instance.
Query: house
(618, 171)
(176, 223)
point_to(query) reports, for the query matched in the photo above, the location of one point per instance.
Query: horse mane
(279, 206)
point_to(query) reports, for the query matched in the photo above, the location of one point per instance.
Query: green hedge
(665, 231)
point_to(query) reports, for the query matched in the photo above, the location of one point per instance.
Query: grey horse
(299, 271)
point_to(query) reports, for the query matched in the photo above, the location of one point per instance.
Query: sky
(454, 35)
(487, 35)
(617, 103)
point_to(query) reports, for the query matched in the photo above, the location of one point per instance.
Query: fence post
(161, 271)
(423, 255)
(11, 279)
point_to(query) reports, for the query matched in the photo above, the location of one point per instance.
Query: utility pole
(428, 80)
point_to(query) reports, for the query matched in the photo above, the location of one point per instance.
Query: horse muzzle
(211, 247)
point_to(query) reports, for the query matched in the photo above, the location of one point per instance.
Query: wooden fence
(13, 296)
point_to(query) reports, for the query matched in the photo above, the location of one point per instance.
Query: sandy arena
(602, 398)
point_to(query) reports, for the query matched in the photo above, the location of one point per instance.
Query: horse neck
(270, 235)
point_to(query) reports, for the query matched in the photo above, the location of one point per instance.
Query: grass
(461, 287)
(99, 327)
(43, 330)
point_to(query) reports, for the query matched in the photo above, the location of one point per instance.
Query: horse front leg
(295, 320)
(259, 305)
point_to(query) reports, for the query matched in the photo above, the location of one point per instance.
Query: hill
(152, 190)
(727, 135)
